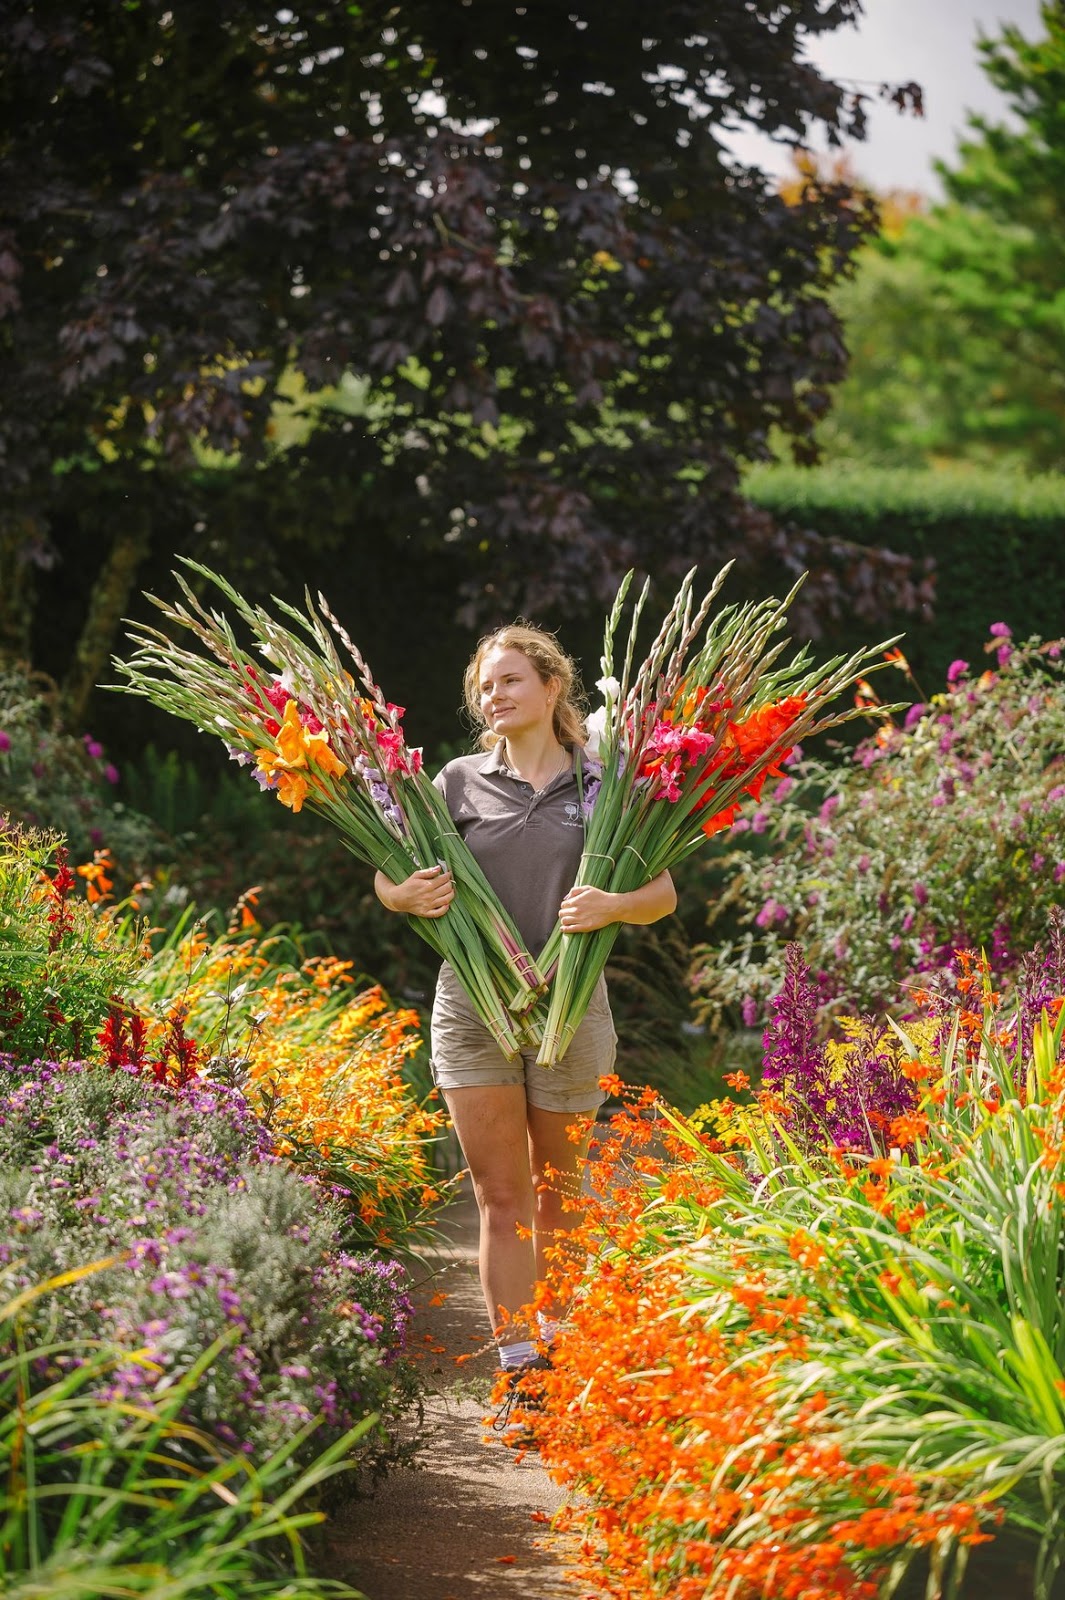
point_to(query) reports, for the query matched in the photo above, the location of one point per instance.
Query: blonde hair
(550, 661)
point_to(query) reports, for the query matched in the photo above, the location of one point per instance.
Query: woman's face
(514, 698)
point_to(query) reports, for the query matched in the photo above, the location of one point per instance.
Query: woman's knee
(504, 1198)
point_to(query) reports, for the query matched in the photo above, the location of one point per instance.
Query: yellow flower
(297, 750)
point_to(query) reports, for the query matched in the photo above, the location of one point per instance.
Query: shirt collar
(494, 762)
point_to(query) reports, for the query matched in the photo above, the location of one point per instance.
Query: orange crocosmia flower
(891, 1281)
(908, 1128)
(97, 884)
(878, 1195)
(737, 1080)
(805, 1250)
(906, 1219)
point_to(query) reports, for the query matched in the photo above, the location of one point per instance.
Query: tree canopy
(956, 322)
(481, 277)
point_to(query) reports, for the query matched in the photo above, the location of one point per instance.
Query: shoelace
(517, 1395)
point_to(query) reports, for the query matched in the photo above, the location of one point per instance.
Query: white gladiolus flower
(609, 688)
(596, 731)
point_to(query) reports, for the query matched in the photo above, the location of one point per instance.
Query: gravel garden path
(464, 1524)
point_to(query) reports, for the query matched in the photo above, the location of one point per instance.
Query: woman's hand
(584, 909)
(426, 893)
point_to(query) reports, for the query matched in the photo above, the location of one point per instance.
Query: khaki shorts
(465, 1056)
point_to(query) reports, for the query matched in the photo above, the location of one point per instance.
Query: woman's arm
(585, 909)
(427, 893)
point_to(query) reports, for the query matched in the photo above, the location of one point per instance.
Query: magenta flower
(5, 740)
(956, 670)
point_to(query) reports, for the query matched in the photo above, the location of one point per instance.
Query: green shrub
(995, 539)
(56, 781)
(59, 963)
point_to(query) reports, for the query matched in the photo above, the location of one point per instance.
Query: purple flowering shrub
(844, 1082)
(841, 1091)
(944, 831)
(216, 1239)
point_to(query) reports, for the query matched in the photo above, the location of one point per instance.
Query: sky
(932, 42)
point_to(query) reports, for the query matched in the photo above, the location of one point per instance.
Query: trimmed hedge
(997, 539)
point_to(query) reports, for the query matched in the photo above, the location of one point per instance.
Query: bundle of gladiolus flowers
(315, 739)
(706, 719)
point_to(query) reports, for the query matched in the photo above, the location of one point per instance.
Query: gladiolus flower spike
(319, 739)
(683, 742)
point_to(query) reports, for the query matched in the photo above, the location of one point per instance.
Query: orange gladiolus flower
(292, 789)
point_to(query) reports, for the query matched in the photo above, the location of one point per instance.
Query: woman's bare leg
(557, 1198)
(491, 1127)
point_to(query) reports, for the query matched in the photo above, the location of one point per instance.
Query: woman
(517, 805)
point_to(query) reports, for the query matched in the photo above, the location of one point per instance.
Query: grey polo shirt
(527, 843)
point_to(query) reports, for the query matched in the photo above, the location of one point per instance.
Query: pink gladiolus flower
(392, 751)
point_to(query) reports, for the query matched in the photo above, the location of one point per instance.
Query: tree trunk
(107, 604)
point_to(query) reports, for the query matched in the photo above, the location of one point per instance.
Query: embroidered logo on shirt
(572, 818)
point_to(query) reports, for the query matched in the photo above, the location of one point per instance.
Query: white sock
(512, 1356)
(549, 1327)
